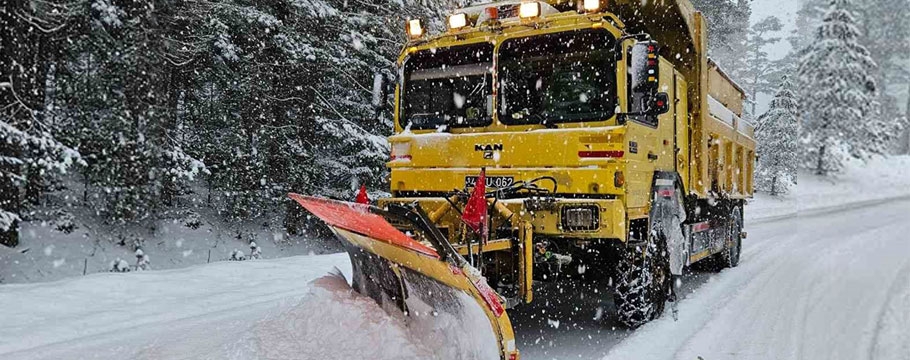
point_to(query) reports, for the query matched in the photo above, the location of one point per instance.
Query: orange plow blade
(420, 275)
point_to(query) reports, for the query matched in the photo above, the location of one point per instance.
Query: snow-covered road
(833, 285)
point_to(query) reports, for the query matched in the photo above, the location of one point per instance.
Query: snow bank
(880, 179)
(334, 322)
(118, 315)
(272, 309)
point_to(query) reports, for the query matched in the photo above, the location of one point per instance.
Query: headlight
(580, 218)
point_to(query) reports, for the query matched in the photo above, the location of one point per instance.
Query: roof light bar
(591, 5)
(414, 28)
(492, 13)
(458, 21)
(529, 10)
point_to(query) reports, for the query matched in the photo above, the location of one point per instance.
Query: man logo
(488, 149)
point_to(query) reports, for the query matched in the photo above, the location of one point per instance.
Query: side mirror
(644, 79)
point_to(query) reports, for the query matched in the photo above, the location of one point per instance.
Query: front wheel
(643, 282)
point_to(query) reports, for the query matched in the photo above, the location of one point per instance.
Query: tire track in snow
(774, 264)
(812, 261)
(898, 298)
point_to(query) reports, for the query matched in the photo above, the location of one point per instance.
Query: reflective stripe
(702, 226)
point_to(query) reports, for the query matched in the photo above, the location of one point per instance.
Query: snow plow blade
(420, 275)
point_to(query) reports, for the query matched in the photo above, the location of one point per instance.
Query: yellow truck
(613, 150)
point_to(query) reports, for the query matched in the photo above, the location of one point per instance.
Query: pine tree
(837, 93)
(728, 27)
(759, 70)
(29, 153)
(776, 136)
(884, 27)
(907, 123)
(258, 98)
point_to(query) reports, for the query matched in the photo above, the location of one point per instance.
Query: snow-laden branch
(30, 21)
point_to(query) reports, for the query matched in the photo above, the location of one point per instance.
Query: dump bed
(721, 148)
(731, 144)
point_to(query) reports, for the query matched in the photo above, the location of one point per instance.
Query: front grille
(580, 218)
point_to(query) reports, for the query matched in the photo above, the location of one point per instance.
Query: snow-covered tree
(906, 136)
(776, 135)
(23, 145)
(237, 255)
(728, 27)
(255, 250)
(246, 101)
(143, 262)
(725, 21)
(884, 27)
(119, 265)
(837, 95)
(29, 152)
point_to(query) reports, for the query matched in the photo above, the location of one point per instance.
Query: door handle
(651, 156)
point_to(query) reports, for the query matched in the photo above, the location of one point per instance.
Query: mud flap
(439, 295)
(670, 215)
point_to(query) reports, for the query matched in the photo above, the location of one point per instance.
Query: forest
(140, 111)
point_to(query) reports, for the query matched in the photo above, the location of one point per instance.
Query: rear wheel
(643, 282)
(730, 257)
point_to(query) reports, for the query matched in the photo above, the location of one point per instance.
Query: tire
(730, 257)
(643, 282)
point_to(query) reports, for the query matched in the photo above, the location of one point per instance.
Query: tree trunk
(907, 124)
(820, 167)
(9, 198)
(774, 186)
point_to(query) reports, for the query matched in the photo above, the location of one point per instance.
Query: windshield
(561, 77)
(448, 87)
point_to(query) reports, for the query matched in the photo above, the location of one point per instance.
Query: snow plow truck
(600, 140)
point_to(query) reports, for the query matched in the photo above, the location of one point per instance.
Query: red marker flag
(475, 212)
(362, 197)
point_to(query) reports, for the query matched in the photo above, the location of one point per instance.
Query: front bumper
(545, 215)
(595, 181)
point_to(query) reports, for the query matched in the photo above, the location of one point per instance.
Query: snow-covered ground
(828, 279)
(210, 311)
(880, 179)
(288, 308)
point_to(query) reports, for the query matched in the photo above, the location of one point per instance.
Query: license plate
(498, 182)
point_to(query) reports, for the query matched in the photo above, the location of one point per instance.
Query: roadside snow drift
(291, 308)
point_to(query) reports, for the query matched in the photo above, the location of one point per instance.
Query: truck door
(664, 146)
(652, 145)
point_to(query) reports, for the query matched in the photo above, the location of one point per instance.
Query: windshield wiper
(542, 120)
